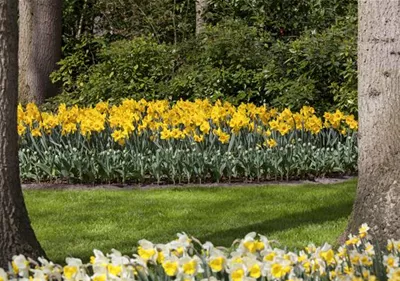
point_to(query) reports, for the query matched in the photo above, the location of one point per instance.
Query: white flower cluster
(249, 259)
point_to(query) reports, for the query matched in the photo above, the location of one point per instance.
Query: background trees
(249, 51)
(39, 48)
(16, 234)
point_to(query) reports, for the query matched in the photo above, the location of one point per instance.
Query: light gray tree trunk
(201, 6)
(40, 24)
(378, 193)
(16, 234)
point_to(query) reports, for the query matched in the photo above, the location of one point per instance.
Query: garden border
(62, 186)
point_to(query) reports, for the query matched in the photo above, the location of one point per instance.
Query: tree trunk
(378, 193)
(16, 234)
(40, 24)
(201, 6)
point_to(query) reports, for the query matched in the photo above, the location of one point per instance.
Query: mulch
(66, 186)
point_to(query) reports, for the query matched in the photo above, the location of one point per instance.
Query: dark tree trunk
(378, 193)
(16, 234)
(40, 24)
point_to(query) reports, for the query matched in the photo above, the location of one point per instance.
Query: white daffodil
(235, 258)
(128, 273)
(73, 270)
(74, 262)
(217, 260)
(355, 257)
(393, 274)
(171, 266)
(211, 278)
(293, 277)
(366, 260)
(20, 266)
(117, 257)
(292, 257)
(250, 244)
(147, 250)
(265, 241)
(342, 253)
(190, 266)
(254, 267)
(99, 258)
(369, 249)
(326, 253)
(302, 256)
(318, 266)
(99, 277)
(3, 275)
(353, 240)
(310, 248)
(237, 272)
(390, 245)
(184, 239)
(52, 270)
(99, 269)
(278, 268)
(363, 230)
(163, 250)
(177, 248)
(270, 255)
(391, 261)
(184, 277)
(139, 262)
(38, 275)
(207, 246)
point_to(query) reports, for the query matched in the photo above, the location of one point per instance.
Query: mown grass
(73, 222)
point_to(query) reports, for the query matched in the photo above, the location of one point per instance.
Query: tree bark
(201, 6)
(40, 24)
(378, 193)
(16, 234)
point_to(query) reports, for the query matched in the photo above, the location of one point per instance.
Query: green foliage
(230, 61)
(283, 18)
(167, 21)
(222, 63)
(99, 159)
(317, 69)
(74, 68)
(126, 68)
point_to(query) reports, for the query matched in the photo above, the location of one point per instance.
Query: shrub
(229, 61)
(222, 64)
(282, 18)
(127, 68)
(316, 69)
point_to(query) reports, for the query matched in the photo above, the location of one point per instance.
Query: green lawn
(72, 222)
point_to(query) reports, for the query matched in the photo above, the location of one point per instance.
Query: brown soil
(62, 186)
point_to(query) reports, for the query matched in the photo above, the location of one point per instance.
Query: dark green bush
(282, 18)
(318, 69)
(223, 63)
(127, 68)
(230, 61)
(165, 20)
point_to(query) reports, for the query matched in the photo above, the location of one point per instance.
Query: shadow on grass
(295, 220)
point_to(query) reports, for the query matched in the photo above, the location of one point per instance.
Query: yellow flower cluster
(252, 258)
(183, 120)
(334, 120)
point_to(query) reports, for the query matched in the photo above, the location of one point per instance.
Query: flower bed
(249, 259)
(139, 141)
